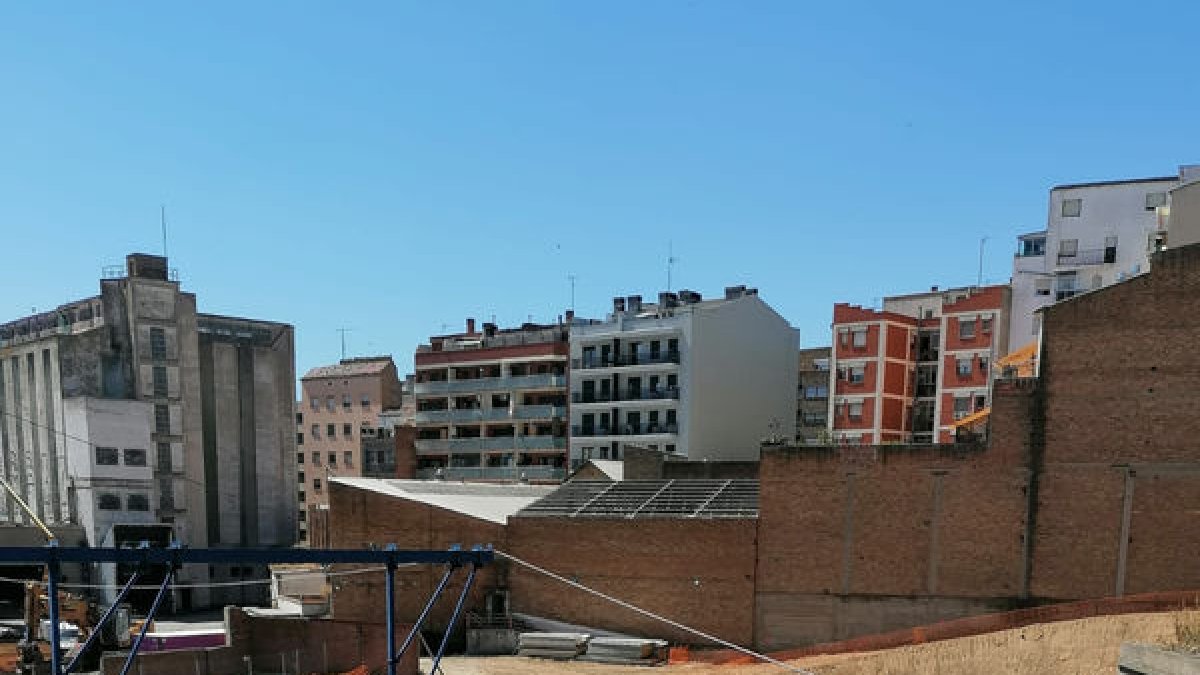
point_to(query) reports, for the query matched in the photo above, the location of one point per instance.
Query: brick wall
(276, 644)
(857, 540)
(361, 518)
(1121, 483)
(698, 572)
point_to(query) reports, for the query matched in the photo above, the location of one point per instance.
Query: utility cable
(656, 617)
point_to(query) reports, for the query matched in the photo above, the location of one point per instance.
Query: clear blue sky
(394, 168)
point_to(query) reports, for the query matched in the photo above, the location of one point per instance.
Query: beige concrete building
(341, 405)
(219, 390)
(1184, 217)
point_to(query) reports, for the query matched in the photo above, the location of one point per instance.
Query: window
(135, 457)
(160, 381)
(302, 515)
(1068, 248)
(299, 438)
(844, 337)
(300, 495)
(331, 430)
(158, 344)
(299, 459)
(1110, 249)
(980, 401)
(366, 401)
(983, 365)
(329, 403)
(1155, 200)
(1032, 247)
(316, 459)
(962, 407)
(860, 338)
(300, 477)
(108, 502)
(303, 535)
(162, 420)
(986, 325)
(816, 392)
(348, 458)
(315, 403)
(107, 457)
(316, 485)
(347, 430)
(1071, 208)
(347, 402)
(964, 367)
(854, 410)
(164, 457)
(669, 448)
(299, 418)
(966, 329)
(166, 495)
(857, 374)
(821, 365)
(137, 502)
(332, 458)
(1065, 286)
(1041, 286)
(315, 431)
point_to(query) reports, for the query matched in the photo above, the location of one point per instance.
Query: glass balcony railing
(491, 443)
(543, 381)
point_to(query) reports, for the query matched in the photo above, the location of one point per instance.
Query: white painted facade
(1096, 234)
(109, 462)
(702, 380)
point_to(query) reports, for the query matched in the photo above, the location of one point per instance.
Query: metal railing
(671, 393)
(620, 360)
(512, 472)
(522, 412)
(643, 429)
(1088, 256)
(546, 380)
(492, 443)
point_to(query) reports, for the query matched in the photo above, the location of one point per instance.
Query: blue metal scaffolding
(170, 559)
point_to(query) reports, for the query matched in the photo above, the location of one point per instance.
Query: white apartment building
(1096, 234)
(702, 379)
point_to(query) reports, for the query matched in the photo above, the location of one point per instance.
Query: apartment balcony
(467, 415)
(625, 360)
(664, 394)
(545, 381)
(491, 443)
(514, 472)
(1091, 256)
(646, 429)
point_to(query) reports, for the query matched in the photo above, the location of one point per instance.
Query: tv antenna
(572, 278)
(671, 260)
(343, 331)
(162, 221)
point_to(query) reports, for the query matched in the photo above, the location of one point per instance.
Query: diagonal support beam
(108, 614)
(462, 600)
(416, 629)
(137, 643)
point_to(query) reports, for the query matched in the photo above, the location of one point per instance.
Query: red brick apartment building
(909, 373)
(492, 404)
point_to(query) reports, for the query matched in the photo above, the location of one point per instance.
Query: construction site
(1070, 524)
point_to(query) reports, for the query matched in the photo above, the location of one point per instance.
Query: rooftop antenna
(343, 331)
(671, 260)
(571, 278)
(979, 279)
(162, 219)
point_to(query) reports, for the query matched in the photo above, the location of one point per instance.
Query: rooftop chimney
(933, 289)
(470, 325)
(618, 305)
(570, 316)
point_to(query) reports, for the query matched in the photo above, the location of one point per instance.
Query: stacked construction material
(626, 651)
(552, 645)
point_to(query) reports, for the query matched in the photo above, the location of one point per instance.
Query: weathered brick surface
(360, 518)
(1121, 373)
(698, 572)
